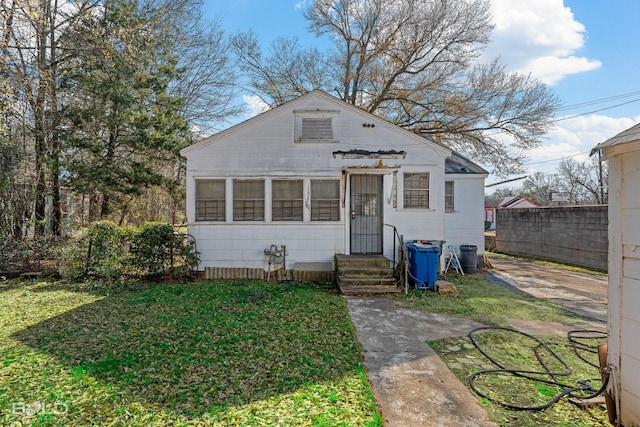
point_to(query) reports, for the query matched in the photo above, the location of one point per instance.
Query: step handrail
(397, 236)
(400, 268)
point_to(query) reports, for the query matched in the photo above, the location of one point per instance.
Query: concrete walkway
(583, 293)
(412, 385)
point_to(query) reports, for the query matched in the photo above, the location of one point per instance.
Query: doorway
(366, 214)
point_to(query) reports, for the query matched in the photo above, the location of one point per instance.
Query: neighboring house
(316, 177)
(511, 202)
(517, 202)
(490, 206)
(623, 153)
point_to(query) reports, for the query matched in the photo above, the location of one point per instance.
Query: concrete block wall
(575, 235)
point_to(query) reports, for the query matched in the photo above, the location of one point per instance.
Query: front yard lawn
(243, 353)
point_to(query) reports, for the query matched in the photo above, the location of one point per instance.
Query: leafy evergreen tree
(124, 126)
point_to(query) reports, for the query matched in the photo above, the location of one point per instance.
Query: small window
(286, 203)
(416, 190)
(448, 197)
(325, 200)
(210, 200)
(248, 200)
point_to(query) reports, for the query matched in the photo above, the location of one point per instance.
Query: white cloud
(255, 105)
(538, 37)
(574, 138)
(551, 69)
(301, 4)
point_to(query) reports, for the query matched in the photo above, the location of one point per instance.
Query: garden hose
(547, 375)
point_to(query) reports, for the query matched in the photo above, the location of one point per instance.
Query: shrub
(97, 252)
(106, 251)
(23, 256)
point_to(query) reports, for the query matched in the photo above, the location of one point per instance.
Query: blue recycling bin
(423, 265)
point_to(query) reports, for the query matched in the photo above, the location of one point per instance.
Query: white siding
(243, 245)
(265, 148)
(466, 224)
(624, 278)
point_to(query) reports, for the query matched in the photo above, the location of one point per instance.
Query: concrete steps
(365, 275)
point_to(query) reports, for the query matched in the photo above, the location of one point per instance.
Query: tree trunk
(56, 216)
(39, 117)
(106, 199)
(41, 185)
(94, 208)
(54, 116)
(104, 208)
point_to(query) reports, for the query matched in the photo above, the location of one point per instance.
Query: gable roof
(443, 150)
(491, 202)
(630, 135)
(513, 201)
(457, 163)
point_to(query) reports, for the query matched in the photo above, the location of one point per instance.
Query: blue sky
(585, 50)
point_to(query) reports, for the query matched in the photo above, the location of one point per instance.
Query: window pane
(210, 200)
(286, 203)
(448, 196)
(248, 200)
(325, 200)
(366, 204)
(416, 190)
(317, 128)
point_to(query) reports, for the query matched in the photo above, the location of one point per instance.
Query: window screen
(248, 200)
(210, 200)
(448, 196)
(286, 200)
(325, 200)
(416, 190)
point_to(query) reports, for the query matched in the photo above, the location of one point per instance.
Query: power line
(582, 104)
(555, 160)
(599, 101)
(595, 111)
(586, 103)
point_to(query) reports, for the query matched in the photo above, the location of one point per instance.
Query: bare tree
(583, 181)
(287, 72)
(501, 193)
(39, 44)
(207, 81)
(539, 185)
(32, 53)
(414, 62)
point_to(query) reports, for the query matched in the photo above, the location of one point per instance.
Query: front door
(366, 214)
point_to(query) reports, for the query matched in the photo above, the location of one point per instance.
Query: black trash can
(469, 258)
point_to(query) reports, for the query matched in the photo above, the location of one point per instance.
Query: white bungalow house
(623, 154)
(316, 177)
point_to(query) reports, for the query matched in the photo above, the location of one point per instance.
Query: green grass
(244, 353)
(495, 305)
(488, 303)
(515, 351)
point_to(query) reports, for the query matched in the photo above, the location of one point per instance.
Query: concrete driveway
(413, 386)
(582, 292)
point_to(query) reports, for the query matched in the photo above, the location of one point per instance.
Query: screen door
(366, 214)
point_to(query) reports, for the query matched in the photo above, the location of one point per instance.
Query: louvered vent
(317, 129)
